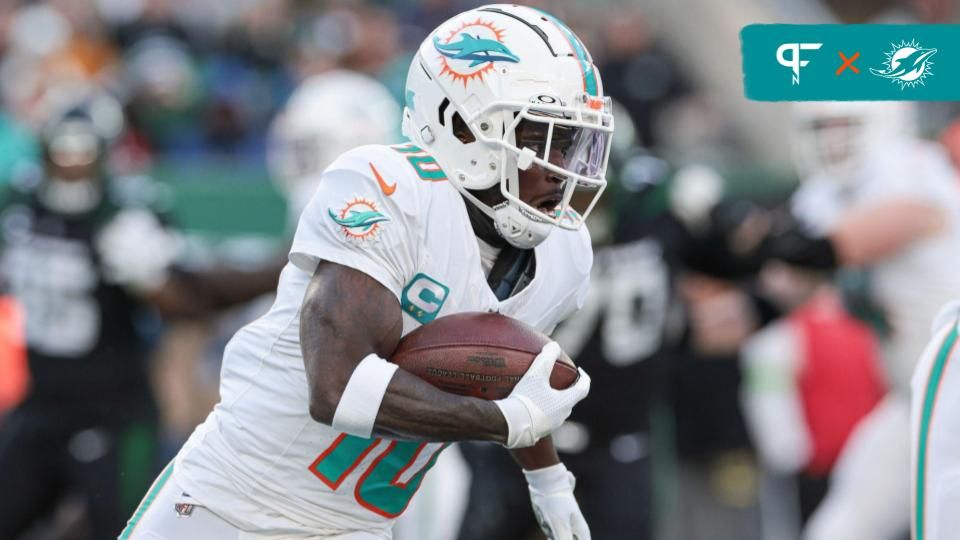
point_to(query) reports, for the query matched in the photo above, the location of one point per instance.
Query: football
(477, 354)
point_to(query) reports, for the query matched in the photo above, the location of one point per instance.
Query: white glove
(557, 511)
(136, 250)
(534, 409)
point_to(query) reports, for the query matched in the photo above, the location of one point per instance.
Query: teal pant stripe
(147, 501)
(929, 400)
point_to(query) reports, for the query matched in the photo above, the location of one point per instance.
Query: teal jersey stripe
(929, 400)
(586, 64)
(147, 501)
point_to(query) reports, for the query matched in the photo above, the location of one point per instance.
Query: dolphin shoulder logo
(907, 64)
(423, 297)
(470, 50)
(359, 220)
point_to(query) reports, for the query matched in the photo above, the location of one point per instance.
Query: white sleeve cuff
(519, 422)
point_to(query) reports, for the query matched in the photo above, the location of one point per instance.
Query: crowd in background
(202, 82)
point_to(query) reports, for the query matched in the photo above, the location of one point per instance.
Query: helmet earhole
(460, 129)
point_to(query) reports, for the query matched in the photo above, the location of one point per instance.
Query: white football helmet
(834, 137)
(327, 115)
(471, 84)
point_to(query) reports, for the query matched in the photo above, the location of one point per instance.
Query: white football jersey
(912, 284)
(934, 439)
(259, 460)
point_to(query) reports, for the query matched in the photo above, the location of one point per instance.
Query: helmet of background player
(77, 134)
(327, 115)
(485, 77)
(833, 138)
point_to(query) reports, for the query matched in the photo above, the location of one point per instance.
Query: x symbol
(848, 62)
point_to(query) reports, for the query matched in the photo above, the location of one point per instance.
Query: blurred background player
(327, 114)
(86, 255)
(809, 379)
(878, 200)
(14, 376)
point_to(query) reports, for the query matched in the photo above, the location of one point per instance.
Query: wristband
(360, 402)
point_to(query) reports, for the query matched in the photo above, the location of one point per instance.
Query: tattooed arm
(347, 315)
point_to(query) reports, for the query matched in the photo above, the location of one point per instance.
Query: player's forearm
(225, 288)
(196, 294)
(541, 455)
(414, 409)
(870, 234)
(347, 321)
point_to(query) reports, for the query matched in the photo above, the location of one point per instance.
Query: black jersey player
(88, 258)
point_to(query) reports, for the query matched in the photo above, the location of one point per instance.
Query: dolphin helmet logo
(477, 50)
(471, 50)
(907, 64)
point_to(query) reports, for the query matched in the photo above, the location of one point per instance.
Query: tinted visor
(579, 150)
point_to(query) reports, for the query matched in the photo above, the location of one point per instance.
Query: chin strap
(518, 229)
(506, 221)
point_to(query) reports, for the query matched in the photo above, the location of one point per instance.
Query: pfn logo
(794, 62)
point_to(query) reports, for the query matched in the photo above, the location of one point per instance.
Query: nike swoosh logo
(387, 189)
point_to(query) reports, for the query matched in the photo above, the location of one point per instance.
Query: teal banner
(868, 62)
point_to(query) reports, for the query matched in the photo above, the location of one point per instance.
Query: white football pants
(167, 514)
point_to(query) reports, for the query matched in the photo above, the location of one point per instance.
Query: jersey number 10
(388, 483)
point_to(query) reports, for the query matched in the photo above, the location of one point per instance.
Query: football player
(316, 434)
(935, 470)
(325, 116)
(85, 255)
(877, 200)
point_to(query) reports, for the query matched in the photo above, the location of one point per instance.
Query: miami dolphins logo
(907, 64)
(479, 44)
(359, 219)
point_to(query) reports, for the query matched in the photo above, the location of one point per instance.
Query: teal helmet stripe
(590, 84)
